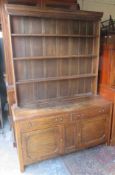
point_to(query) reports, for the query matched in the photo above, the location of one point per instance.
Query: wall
(106, 6)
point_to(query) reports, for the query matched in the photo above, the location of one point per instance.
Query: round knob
(79, 115)
(30, 124)
(61, 119)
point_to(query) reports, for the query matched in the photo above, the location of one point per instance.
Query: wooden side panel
(7, 43)
(107, 92)
(107, 76)
(10, 78)
(112, 71)
(112, 141)
(107, 63)
(105, 68)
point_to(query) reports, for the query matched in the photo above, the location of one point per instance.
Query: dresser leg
(22, 168)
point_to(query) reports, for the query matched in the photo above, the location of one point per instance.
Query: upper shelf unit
(54, 54)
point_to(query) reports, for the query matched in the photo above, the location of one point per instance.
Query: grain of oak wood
(55, 94)
(46, 133)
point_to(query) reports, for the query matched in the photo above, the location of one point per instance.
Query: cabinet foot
(22, 168)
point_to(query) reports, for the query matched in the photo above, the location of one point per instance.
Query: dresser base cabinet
(50, 132)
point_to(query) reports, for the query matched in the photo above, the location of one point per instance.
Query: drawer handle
(79, 135)
(103, 110)
(61, 140)
(30, 124)
(61, 119)
(79, 115)
(76, 116)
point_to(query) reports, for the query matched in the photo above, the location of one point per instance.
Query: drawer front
(91, 112)
(44, 122)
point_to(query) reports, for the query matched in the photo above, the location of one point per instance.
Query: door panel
(41, 144)
(93, 131)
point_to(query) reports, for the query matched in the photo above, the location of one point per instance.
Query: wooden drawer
(91, 112)
(44, 122)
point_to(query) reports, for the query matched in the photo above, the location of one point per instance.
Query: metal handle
(61, 140)
(61, 119)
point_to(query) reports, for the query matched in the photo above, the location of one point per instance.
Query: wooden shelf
(54, 57)
(53, 35)
(55, 78)
(58, 101)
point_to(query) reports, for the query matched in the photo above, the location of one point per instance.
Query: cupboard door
(93, 131)
(70, 137)
(41, 144)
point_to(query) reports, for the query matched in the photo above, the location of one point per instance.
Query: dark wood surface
(107, 75)
(67, 4)
(49, 132)
(60, 14)
(45, 64)
(107, 61)
(47, 3)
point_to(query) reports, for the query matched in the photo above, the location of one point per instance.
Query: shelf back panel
(53, 58)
